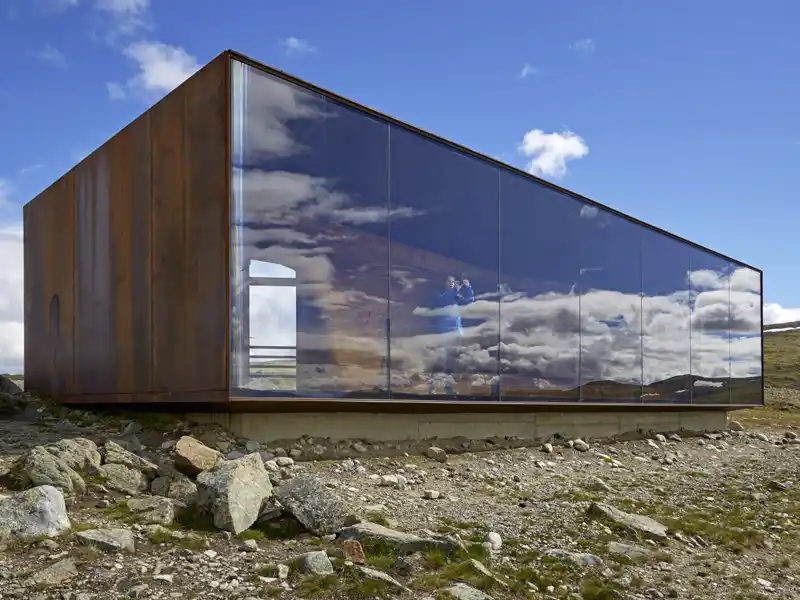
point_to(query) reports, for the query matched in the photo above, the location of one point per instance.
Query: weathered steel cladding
(49, 289)
(134, 242)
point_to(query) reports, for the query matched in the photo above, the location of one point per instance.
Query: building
(254, 244)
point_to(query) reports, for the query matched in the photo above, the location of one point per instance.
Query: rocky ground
(94, 507)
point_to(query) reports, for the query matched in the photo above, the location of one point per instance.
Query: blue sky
(680, 113)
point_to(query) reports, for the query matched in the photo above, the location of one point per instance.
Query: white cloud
(550, 152)
(775, 313)
(294, 46)
(527, 70)
(30, 169)
(584, 46)
(52, 55)
(116, 91)
(120, 18)
(123, 6)
(11, 313)
(5, 192)
(161, 69)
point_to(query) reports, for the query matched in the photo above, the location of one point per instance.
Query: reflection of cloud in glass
(336, 241)
(544, 337)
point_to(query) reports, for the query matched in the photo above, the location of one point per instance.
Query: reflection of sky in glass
(580, 288)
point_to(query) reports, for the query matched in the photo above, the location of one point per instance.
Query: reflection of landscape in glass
(369, 261)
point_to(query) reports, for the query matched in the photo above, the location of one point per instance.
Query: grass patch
(252, 534)
(597, 590)
(380, 555)
(188, 541)
(349, 584)
(119, 511)
(377, 518)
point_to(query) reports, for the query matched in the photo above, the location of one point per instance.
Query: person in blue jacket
(457, 292)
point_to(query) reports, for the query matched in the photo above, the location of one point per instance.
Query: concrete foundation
(375, 428)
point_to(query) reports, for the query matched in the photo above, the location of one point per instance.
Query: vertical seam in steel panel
(227, 236)
(388, 326)
(499, 276)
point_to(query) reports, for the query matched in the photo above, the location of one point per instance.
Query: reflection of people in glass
(457, 292)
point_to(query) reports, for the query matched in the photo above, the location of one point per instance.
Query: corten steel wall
(134, 243)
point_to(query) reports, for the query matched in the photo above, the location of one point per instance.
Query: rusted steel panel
(140, 183)
(205, 164)
(94, 300)
(49, 289)
(134, 244)
(35, 333)
(168, 246)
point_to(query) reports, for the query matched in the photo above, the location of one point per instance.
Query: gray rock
(735, 426)
(580, 445)
(192, 457)
(131, 428)
(38, 512)
(60, 465)
(233, 492)
(11, 404)
(182, 489)
(320, 510)
(7, 386)
(124, 479)
(494, 540)
(461, 591)
(598, 485)
(155, 509)
(316, 563)
(55, 574)
(39, 467)
(160, 486)
(138, 590)
(116, 454)
(380, 576)
(113, 540)
(436, 454)
(177, 487)
(405, 543)
(582, 559)
(284, 461)
(633, 523)
(629, 551)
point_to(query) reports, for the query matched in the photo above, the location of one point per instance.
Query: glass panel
(539, 312)
(610, 286)
(309, 243)
(746, 326)
(711, 365)
(666, 319)
(443, 275)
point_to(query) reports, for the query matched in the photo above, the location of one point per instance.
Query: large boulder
(38, 512)
(193, 457)
(111, 540)
(123, 479)
(319, 510)
(630, 523)
(404, 543)
(115, 454)
(7, 386)
(233, 492)
(11, 404)
(155, 509)
(176, 486)
(61, 465)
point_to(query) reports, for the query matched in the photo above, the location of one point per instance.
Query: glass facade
(370, 261)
